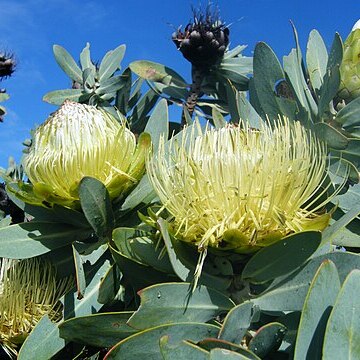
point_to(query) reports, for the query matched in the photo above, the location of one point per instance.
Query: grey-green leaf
(349, 115)
(174, 303)
(157, 72)
(281, 257)
(35, 238)
(85, 59)
(101, 330)
(288, 294)
(57, 97)
(342, 337)
(67, 63)
(145, 344)
(316, 59)
(267, 71)
(334, 138)
(158, 124)
(111, 62)
(237, 322)
(96, 205)
(267, 339)
(319, 301)
(43, 342)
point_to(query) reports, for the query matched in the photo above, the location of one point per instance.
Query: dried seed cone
(350, 66)
(7, 65)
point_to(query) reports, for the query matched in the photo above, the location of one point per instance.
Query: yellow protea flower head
(80, 140)
(29, 289)
(240, 189)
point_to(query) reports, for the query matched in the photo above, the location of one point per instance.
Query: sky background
(29, 28)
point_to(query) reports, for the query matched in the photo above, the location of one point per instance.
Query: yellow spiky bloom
(80, 140)
(241, 189)
(29, 289)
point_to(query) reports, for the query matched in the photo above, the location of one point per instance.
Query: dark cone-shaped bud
(7, 65)
(204, 40)
(9, 208)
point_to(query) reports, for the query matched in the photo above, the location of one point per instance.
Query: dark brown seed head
(7, 65)
(204, 40)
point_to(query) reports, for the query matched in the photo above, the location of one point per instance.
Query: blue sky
(29, 28)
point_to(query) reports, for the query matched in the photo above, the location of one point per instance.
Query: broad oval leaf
(267, 339)
(319, 301)
(237, 322)
(145, 344)
(57, 97)
(158, 123)
(221, 354)
(152, 71)
(342, 336)
(211, 344)
(281, 257)
(316, 59)
(96, 205)
(101, 330)
(136, 245)
(184, 351)
(174, 303)
(334, 138)
(267, 71)
(139, 274)
(143, 193)
(183, 261)
(89, 303)
(35, 238)
(349, 115)
(67, 63)
(288, 293)
(111, 85)
(4, 97)
(85, 59)
(51, 342)
(111, 62)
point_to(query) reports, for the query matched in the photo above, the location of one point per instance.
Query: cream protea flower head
(29, 289)
(240, 189)
(80, 140)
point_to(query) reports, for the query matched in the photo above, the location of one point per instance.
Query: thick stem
(197, 74)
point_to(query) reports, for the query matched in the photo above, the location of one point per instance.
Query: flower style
(29, 289)
(80, 140)
(239, 188)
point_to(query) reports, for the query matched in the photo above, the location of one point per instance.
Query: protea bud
(7, 65)
(203, 42)
(80, 140)
(29, 289)
(241, 189)
(350, 66)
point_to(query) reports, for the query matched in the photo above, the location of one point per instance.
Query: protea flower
(241, 189)
(350, 66)
(80, 140)
(203, 42)
(29, 289)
